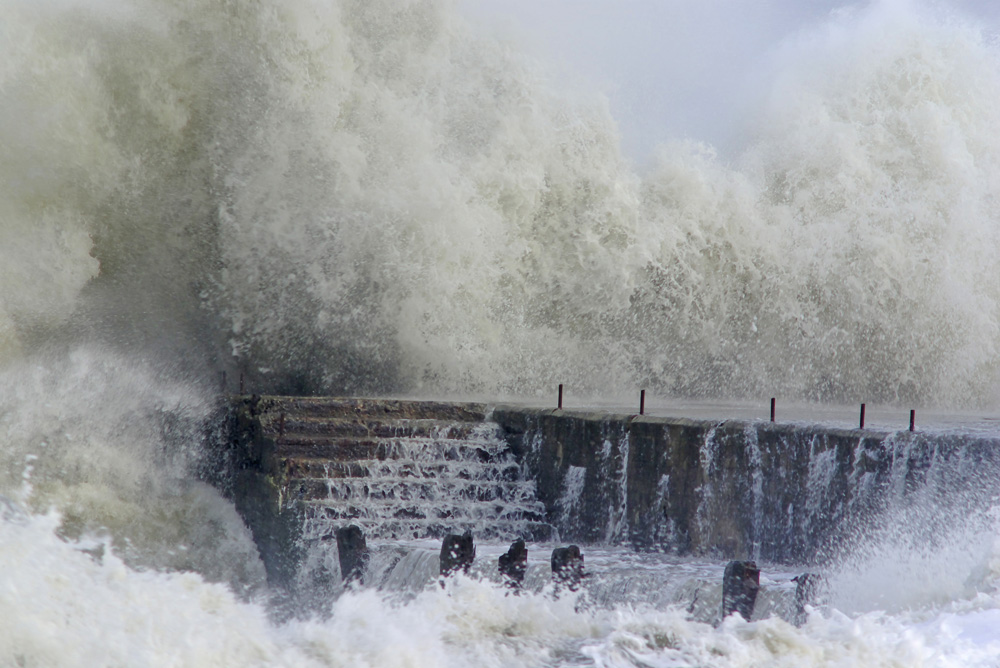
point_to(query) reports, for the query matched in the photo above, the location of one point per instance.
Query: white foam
(64, 607)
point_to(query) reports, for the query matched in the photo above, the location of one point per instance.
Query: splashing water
(114, 448)
(64, 607)
(371, 196)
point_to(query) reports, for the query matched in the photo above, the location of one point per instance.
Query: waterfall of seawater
(441, 479)
(793, 493)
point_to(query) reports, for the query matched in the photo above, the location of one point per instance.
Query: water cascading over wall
(787, 493)
(299, 468)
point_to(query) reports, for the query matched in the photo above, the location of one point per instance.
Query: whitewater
(380, 197)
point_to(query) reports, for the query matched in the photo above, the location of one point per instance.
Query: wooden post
(514, 564)
(913, 418)
(772, 409)
(457, 553)
(567, 567)
(560, 395)
(642, 402)
(740, 585)
(352, 549)
(810, 589)
(862, 417)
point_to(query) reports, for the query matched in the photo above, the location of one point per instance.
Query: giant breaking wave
(371, 196)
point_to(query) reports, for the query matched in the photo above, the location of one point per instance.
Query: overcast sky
(670, 68)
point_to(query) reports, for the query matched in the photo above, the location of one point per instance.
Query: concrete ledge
(730, 489)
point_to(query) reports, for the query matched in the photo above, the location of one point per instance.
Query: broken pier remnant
(514, 563)
(353, 551)
(457, 553)
(740, 585)
(567, 567)
(810, 589)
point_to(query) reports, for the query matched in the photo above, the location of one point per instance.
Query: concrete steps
(399, 469)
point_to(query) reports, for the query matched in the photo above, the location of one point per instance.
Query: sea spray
(67, 608)
(114, 449)
(373, 197)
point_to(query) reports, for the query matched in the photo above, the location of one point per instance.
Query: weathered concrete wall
(249, 472)
(290, 463)
(732, 489)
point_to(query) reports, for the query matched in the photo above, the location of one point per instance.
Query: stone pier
(726, 489)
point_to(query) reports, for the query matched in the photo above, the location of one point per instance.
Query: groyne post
(457, 553)
(353, 552)
(740, 585)
(772, 408)
(514, 563)
(808, 591)
(567, 567)
(913, 418)
(862, 426)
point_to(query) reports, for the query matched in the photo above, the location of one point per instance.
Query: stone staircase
(398, 469)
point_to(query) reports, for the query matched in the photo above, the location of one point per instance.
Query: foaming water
(114, 449)
(66, 607)
(934, 548)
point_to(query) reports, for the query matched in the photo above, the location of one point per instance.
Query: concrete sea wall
(735, 489)
(729, 489)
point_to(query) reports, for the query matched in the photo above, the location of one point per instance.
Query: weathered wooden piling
(457, 553)
(514, 563)
(808, 591)
(353, 551)
(567, 567)
(740, 585)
